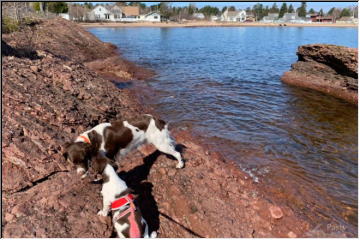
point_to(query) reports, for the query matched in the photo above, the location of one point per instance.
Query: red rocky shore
(59, 88)
(326, 68)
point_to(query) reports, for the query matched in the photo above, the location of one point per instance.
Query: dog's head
(98, 165)
(79, 154)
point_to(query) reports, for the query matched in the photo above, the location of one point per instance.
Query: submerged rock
(326, 68)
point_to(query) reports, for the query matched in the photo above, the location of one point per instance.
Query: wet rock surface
(326, 68)
(49, 100)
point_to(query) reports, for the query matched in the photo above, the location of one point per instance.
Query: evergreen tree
(321, 12)
(283, 10)
(266, 11)
(302, 10)
(57, 7)
(311, 11)
(191, 9)
(88, 5)
(274, 8)
(223, 9)
(330, 12)
(258, 11)
(210, 11)
(345, 13)
(232, 8)
(291, 9)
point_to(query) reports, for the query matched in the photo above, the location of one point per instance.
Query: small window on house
(155, 17)
(107, 16)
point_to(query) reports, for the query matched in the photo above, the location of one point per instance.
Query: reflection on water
(225, 84)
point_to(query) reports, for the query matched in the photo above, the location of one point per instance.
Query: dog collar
(87, 140)
(118, 203)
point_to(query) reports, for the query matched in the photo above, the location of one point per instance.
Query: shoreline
(211, 24)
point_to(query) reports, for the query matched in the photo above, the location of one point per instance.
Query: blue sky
(316, 5)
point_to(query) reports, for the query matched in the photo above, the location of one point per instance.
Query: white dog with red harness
(117, 197)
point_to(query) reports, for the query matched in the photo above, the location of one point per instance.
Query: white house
(294, 18)
(99, 13)
(214, 18)
(270, 18)
(65, 16)
(151, 17)
(114, 13)
(199, 16)
(233, 16)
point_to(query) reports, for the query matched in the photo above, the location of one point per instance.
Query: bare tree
(16, 10)
(78, 12)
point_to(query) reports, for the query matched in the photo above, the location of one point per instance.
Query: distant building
(293, 18)
(215, 18)
(199, 16)
(151, 17)
(250, 17)
(233, 16)
(318, 18)
(131, 11)
(114, 13)
(347, 20)
(65, 16)
(270, 18)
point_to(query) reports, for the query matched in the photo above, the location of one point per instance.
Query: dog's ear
(98, 164)
(95, 140)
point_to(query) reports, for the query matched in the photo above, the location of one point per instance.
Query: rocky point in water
(326, 68)
(51, 94)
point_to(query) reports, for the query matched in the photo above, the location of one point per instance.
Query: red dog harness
(120, 202)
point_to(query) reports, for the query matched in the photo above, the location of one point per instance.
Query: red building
(318, 18)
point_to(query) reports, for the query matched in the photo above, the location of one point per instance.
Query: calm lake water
(224, 83)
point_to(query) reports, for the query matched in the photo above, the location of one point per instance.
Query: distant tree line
(260, 11)
(54, 7)
(186, 12)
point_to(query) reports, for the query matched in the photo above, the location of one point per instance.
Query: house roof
(233, 13)
(151, 13)
(108, 7)
(100, 6)
(131, 10)
(115, 9)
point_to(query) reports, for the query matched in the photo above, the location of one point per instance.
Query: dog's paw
(180, 165)
(102, 213)
(153, 234)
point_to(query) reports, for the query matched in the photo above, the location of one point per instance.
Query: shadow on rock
(7, 50)
(146, 200)
(134, 179)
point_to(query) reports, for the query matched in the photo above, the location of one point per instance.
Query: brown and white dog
(116, 139)
(118, 198)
